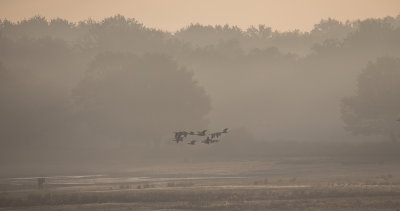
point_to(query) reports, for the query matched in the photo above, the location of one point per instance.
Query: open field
(288, 184)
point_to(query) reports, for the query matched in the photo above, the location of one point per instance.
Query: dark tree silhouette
(375, 107)
(267, 80)
(120, 34)
(140, 98)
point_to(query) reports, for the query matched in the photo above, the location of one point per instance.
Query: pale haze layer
(172, 15)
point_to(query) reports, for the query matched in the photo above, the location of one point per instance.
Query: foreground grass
(227, 186)
(350, 197)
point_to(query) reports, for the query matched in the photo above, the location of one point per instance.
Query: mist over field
(193, 105)
(112, 92)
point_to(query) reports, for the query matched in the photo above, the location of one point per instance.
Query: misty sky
(174, 14)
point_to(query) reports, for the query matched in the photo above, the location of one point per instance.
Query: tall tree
(375, 108)
(138, 99)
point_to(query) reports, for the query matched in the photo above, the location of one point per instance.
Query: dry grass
(284, 188)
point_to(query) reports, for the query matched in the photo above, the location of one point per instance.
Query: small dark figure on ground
(40, 182)
(193, 142)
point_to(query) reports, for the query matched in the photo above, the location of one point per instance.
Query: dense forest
(100, 88)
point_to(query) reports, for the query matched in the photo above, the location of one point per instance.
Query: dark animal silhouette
(178, 139)
(178, 134)
(193, 142)
(214, 140)
(40, 182)
(185, 134)
(201, 133)
(207, 140)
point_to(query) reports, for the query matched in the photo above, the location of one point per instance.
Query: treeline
(99, 85)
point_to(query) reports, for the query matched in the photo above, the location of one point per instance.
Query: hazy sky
(173, 14)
